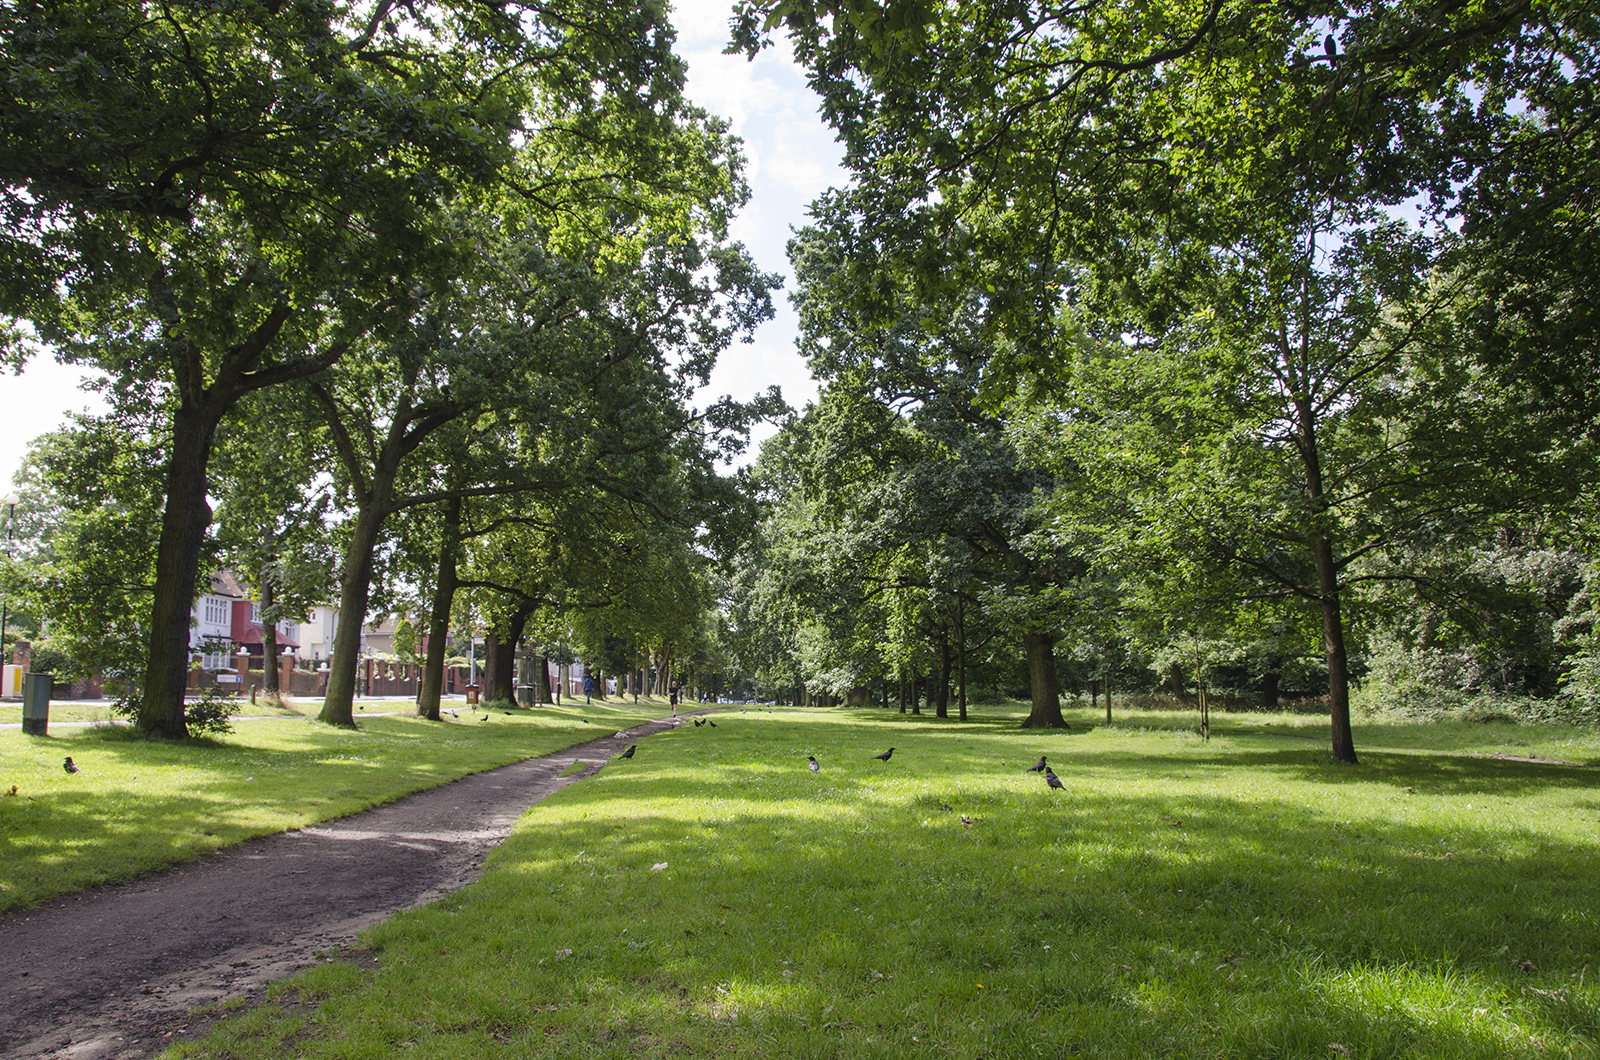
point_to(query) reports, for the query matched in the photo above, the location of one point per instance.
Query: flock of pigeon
(1050, 778)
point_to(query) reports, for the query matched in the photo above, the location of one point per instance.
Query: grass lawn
(1244, 897)
(140, 805)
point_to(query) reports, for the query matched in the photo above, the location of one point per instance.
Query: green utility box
(36, 703)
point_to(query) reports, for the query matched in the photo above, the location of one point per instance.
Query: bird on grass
(454, 714)
(629, 752)
(484, 718)
(1037, 767)
(699, 722)
(69, 767)
(813, 766)
(1051, 779)
(885, 756)
(713, 724)
(13, 790)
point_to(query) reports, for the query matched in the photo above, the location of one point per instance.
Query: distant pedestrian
(588, 687)
(672, 697)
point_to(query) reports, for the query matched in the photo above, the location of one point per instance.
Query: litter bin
(36, 703)
(472, 695)
(524, 695)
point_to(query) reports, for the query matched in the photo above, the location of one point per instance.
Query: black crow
(885, 756)
(629, 752)
(1051, 779)
(1037, 767)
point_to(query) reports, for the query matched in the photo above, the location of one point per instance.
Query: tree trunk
(183, 530)
(1269, 687)
(500, 660)
(541, 679)
(916, 694)
(270, 683)
(444, 594)
(1175, 676)
(961, 662)
(941, 707)
(1344, 747)
(1046, 708)
(355, 588)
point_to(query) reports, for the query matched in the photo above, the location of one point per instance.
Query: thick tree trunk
(1046, 708)
(355, 589)
(444, 595)
(183, 530)
(500, 651)
(541, 679)
(1269, 687)
(1175, 678)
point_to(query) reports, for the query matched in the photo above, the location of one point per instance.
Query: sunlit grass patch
(139, 805)
(1179, 898)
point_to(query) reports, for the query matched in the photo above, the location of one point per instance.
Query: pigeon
(584, 720)
(813, 766)
(1051, 779)
(629, 752)
(885, 756)
(69, 767)
(1037, 767)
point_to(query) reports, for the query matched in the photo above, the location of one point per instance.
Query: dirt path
(115, 972)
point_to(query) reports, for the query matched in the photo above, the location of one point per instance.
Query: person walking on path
(672, 697)
(588, 687)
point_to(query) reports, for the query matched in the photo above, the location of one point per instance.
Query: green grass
(1244, 897)
(140, 805)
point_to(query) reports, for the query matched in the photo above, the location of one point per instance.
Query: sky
(792, 158)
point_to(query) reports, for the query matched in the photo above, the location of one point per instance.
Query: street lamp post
(10, 501)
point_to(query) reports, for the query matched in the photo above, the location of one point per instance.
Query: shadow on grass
(1113, 922)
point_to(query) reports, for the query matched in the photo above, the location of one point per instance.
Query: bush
(48, 659)
(206, 716)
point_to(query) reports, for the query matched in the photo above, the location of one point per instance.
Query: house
(226, 623)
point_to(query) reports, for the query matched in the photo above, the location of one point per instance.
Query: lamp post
(10, 501)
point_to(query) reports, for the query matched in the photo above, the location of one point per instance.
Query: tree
(211, 201)
(1220, 181)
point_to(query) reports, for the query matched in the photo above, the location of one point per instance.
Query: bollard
(36, 703)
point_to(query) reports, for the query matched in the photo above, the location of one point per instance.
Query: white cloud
(37, 402)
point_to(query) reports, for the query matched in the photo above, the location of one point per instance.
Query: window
(215, 611)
